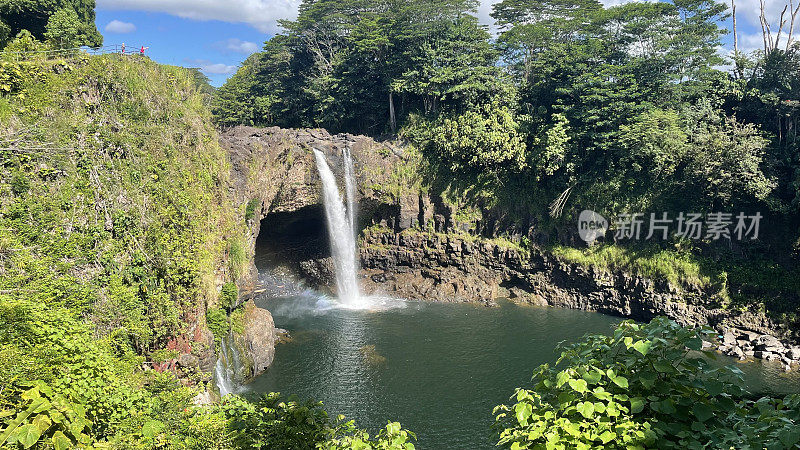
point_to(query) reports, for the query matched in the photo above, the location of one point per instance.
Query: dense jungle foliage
(571, 106)
(116, 236)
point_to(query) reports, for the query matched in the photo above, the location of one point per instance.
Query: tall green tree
(63, 22)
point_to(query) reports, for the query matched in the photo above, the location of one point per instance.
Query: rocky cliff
(416, 245)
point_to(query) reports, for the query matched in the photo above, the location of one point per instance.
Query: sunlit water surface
(439, 369)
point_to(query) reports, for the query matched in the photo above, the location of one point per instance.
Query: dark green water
(446, 365)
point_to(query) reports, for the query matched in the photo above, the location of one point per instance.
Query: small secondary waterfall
(341, 227)
(225, 369)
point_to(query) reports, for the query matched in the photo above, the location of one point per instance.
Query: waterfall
(341, 228)
(225, 368)
(350, 188)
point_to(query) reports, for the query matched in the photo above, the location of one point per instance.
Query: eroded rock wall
(418, 246)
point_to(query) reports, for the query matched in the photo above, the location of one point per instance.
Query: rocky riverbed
(743, 344)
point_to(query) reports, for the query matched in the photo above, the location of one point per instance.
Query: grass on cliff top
(753, 284)
(657, 264)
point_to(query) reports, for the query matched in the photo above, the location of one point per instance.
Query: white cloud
(116, 26)
(261, 14)
(236, 46)
(484, 11)
(750, 11)
(211, 68)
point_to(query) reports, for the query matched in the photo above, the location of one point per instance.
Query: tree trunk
(735, 32)
(392, 120)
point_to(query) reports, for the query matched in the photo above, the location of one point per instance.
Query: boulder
(768, 343)
(728, 338)
(794, 353)
(254, 345)
(320, 272)
(202, 399)
(259, 337)
(736, 352)
(748, 335)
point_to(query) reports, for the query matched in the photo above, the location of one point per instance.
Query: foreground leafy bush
(46, 416)
(276, 422)
(645, 386)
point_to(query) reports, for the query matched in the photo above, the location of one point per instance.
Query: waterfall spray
(341, 230)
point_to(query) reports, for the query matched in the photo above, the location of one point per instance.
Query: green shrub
(645, 386)
(391, 437)
(250, 211)
(276, 422)
(19, 183)
(655, 263)
(237, 257)
(205, 428)
(237, 321)
(72, 370)
(217, 322)
(46, 416)
(485, 139)
(229, 295)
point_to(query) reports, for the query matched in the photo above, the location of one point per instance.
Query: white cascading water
(341, 229)
(350, 188)
(225, 369)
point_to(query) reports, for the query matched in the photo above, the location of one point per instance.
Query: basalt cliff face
(415, 245)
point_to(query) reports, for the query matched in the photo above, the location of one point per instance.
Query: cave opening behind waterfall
(287, 238)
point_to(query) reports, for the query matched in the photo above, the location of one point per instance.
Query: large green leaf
(523, 412)
(61, 441)
(702, 411)
(637, 404)
(28, 435)
(586, 409)
(620, 381)
(579, 385)
(642, 347)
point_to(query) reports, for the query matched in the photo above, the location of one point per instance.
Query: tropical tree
(63, 22)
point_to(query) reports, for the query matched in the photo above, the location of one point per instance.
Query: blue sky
(217, 35)
(214, 46)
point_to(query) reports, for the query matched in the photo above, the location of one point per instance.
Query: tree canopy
(64, 23)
